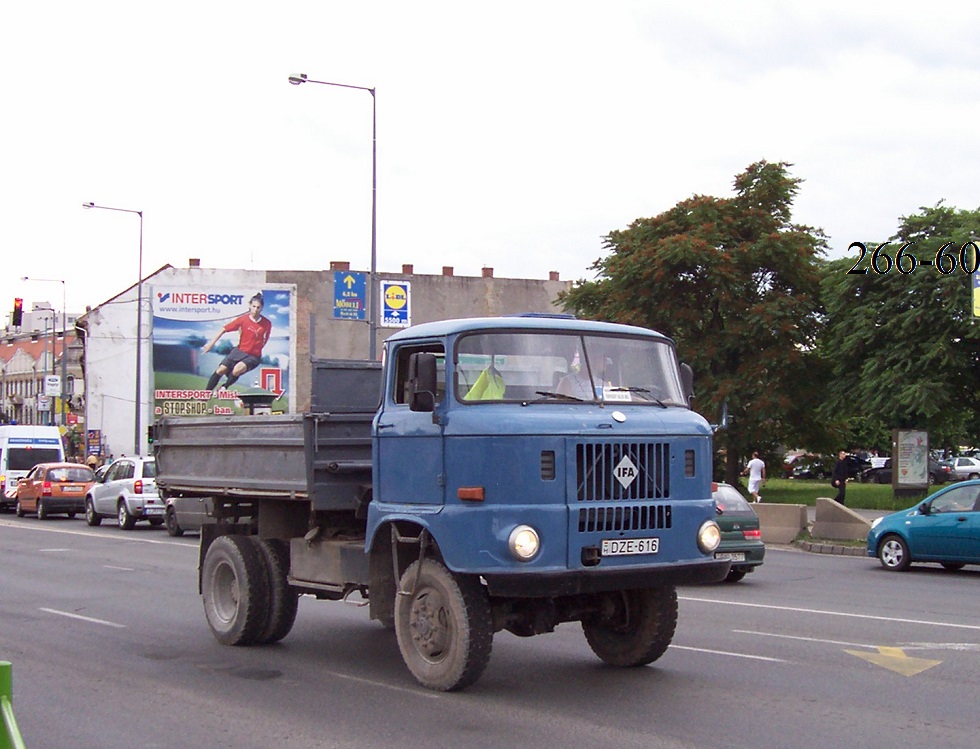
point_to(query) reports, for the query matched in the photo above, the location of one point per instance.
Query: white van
(23, 446)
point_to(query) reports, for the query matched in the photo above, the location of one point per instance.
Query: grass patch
(859, 496)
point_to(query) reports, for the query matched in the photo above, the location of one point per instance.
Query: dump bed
(324, 456)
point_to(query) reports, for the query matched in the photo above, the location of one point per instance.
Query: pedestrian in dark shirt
(840, 476)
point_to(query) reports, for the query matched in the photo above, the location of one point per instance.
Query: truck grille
(619, 518)
(622, 471)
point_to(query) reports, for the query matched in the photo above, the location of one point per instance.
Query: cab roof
(556, 323)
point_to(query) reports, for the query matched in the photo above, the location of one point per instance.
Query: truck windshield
(545, 367)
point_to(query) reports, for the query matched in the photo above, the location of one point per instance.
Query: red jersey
(254, 333)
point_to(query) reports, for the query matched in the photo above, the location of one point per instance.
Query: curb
(817, 547)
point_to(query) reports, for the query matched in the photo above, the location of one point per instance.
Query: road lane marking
(114, 567)
(84, 618)
(804, 639)
(797, 610)
(894, 659)
(134, 537)
(726, 652)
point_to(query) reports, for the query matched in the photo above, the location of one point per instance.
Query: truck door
(409, 444)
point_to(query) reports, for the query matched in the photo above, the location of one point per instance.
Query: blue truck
(508, 473)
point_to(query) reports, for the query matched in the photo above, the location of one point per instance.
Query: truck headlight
(524, 543)
(709, 536)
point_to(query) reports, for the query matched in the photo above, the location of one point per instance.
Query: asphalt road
(110, 649)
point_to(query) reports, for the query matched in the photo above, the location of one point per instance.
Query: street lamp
(137, 437)
(297, 80)
(64, 341)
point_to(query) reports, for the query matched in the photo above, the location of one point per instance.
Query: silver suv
(128, 492)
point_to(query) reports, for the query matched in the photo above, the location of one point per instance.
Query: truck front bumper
(573, 582)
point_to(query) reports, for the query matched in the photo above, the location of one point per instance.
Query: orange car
(54, 488)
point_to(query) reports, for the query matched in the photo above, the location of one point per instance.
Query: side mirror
(925, 508)
(422, 382)
(687, 381)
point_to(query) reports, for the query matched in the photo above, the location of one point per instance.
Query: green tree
(735, 283)
(904, 347)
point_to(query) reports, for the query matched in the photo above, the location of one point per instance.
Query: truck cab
(575, 436)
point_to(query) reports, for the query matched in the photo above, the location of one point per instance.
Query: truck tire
(283, 598)
(91, 516)
(235, 590)
(444, 626)
(637, 629)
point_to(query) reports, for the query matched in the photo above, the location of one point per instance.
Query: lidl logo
(395, 297)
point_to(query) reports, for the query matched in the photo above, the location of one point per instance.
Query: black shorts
(237, 355)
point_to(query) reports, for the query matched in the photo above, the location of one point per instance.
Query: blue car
(944, 528)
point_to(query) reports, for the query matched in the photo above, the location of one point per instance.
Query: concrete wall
(835, 521)
(780, 523)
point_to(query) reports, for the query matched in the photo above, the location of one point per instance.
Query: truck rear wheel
(235, 589)
(636, 628)
(444, 626)
(283, 598)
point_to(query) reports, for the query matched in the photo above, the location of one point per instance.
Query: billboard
(214, 345)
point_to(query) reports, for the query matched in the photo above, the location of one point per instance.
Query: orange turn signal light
(471, 493)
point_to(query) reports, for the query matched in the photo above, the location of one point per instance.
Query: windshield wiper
(545, 394)
(645, 392)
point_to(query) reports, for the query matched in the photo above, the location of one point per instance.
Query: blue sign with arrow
(349, 295)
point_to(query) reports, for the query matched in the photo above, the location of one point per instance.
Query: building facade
(314, 314)
(32, 354)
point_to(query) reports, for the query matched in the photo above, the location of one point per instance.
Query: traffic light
(18, 317)
(149, 435)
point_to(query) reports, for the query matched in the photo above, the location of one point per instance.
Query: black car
(856, 466)
(812, 467)
(939, 473)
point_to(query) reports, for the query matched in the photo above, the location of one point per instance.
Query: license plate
(623, 546)
(153, 510)
(71, 489)
(730, 556)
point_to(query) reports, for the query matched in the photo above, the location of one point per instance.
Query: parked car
(939, 473)
(741, 536)
(128, 492)
(856, 466)
(53, 489)
(186, 514)
(944, 528)
(191, 513)
(812, 467)
(965, 467)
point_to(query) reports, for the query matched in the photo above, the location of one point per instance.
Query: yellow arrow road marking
(894, 659)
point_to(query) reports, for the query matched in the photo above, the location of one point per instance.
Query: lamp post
(46, 419)
(137, 437)
(297, 80)
(64, 341)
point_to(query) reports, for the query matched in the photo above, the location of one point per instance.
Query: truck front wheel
(634, 627)
(443, 625)
(235, 589)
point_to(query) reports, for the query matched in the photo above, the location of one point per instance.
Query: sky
(514, 134)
